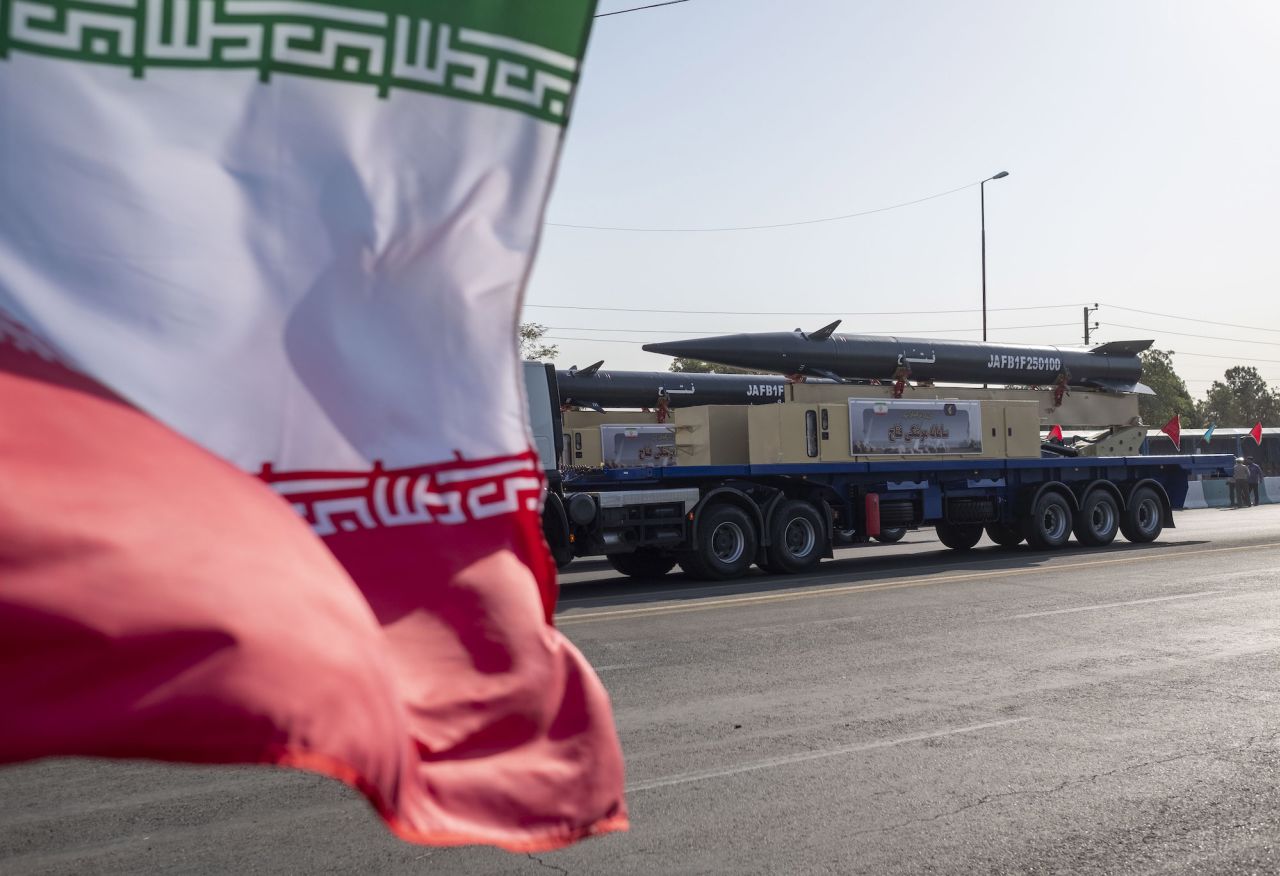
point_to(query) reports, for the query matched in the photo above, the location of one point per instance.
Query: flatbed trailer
(716, 521)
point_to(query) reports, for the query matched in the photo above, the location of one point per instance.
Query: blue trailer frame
(947, 494)
(928, 477)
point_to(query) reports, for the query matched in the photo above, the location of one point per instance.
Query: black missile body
(592, 388)
(1114, 366)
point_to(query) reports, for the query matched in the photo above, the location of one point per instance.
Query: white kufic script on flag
(295, 231)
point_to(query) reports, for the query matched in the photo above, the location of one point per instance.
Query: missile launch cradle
(725, 487)
(1112, 367)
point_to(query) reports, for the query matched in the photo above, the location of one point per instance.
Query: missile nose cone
(671, 348)
(694, 348)
(722, 349)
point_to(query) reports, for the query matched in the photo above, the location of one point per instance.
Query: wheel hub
(1054, 523)
(1148, 514)
(1103, 518)
(728, 542)
(800, 538)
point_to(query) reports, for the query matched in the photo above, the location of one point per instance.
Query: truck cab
(546, 432)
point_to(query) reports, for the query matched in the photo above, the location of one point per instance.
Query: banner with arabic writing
(906, 427)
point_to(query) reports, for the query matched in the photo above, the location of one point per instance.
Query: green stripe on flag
(522, 55)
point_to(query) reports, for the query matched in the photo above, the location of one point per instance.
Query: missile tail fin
(825, 332)
(590, 370)
(1121, 348)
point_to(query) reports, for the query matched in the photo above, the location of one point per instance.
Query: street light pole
(982, 198)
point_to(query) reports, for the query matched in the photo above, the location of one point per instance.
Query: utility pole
(1087, 328)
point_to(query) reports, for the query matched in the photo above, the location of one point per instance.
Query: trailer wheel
(1099, 519)
(1049, 525)
(798, 539)
(891, 535)
(1143, 518)
(1004, 535)
(642, 563)
(726, 545)
(959, 536)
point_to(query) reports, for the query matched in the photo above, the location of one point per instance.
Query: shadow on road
(615, 591)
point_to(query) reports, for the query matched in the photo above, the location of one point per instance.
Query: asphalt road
(906, 710)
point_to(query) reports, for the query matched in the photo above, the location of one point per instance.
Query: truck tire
(798, 539)
(726, 545)
(1143, 518)
(555, 529)
(959, 536)
(1099, 519)
(1048, 526)
(891, 535)
(642, 563)
(1004, 535)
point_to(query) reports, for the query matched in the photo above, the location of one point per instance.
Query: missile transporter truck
(715, 489)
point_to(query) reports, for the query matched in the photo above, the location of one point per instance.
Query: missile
(592, 388)
(1114, 367)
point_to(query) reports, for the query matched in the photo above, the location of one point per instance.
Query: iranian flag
(261, 263)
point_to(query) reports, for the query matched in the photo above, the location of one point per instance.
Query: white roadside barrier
(1216, 493)
(1195, 496)
(1270, 490)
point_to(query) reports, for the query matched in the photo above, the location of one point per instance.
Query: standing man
(1240, 480)
(1255, 480)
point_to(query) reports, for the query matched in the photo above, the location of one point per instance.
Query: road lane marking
(802, 757)
(1114, 604)
(789, 627)
(708, 604)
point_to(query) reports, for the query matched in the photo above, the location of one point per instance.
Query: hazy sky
(1142, 141)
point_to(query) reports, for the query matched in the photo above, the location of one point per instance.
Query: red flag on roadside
(306, 274)
(1256, 433)
(1173, 429)
(1055, 432)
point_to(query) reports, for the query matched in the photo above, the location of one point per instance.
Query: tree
(1171, 392)
(531, 345)
(1241, 399)
(697, 366)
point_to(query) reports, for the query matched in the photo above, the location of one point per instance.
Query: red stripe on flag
(159, 603)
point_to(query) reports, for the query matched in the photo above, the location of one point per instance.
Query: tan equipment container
(713, 435)
(583, 441)
(921, 428)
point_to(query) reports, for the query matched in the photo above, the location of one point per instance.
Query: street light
(982, 192)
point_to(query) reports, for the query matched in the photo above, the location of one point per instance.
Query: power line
(1006, 328)
(773, 225)
(1220, 380)
(1235, 359)
(593, 340)
(820, 313)
(1192, 319)
(630, 341)
(638, 8)
(1188, 335)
